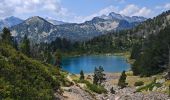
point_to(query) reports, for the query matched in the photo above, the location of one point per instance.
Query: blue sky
(81, 10)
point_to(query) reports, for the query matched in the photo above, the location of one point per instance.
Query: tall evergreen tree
(95, 77)
(58, 59)
(25, 46)
(6, 36)
(122, 80)
(15, 44)
(99, 76)
(81, 75)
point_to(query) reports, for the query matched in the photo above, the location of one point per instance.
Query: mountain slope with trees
(24, 78)
(154, 54)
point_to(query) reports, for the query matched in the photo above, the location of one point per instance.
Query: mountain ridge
(40, 30)
(55, 22)
(9, 21)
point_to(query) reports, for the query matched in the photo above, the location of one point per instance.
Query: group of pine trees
(99, 78)
(7, 38)
(25, 46)
(152, 54)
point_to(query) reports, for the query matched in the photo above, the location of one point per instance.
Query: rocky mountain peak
(37, 22)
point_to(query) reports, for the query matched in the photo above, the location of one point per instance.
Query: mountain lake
(87, 63)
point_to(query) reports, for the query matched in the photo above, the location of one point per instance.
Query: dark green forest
(152, 57)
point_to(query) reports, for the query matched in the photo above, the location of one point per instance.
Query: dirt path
(75, 92)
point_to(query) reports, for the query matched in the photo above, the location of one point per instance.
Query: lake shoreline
(124, 54)
(116, 62)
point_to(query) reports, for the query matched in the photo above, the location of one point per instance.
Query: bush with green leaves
(97, 88)
(149, 86)
(93, 87)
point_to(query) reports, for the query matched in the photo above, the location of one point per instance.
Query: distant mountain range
(9, 22)
(113, 16)
(46, 30)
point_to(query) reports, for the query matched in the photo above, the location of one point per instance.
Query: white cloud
(53, 8)
(129, 10)
(163, 7)
(20, 7)
(134, 10)
(167, 6)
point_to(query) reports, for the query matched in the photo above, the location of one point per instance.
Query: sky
(78, 11)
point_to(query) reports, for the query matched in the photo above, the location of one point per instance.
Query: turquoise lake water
(88, 63)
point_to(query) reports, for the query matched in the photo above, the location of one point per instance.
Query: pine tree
(6, 36)
(47, 56)
(15, 44)
(122, 80)
(58, 59)
(169, 91)
(95, 77)
(99, 76)
(25, 46)
(168, 44)
(81, 75)
(168, 76)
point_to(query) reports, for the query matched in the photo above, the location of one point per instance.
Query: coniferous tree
(81, 75)
(25, 46)
(15, 44)
(6, 36)
(99, 76)
(136, 49)
(122, 80)
(95, 77)
(58, 59)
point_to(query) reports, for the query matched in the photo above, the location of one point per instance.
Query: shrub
(149, 86)
(93, 87)
(139, 83)
(96, 88)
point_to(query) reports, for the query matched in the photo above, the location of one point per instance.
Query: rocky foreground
(77, 92)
